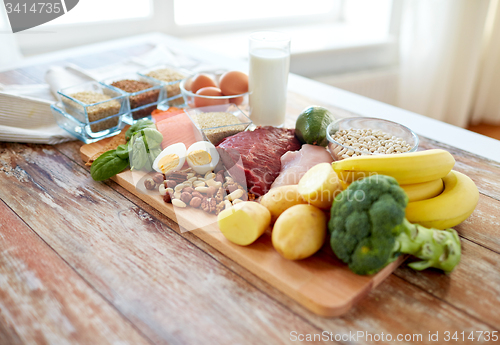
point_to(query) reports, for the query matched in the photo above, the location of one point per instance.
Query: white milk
(268, 80)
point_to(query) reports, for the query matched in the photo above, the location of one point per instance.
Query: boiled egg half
(172, 158)
(202, 157)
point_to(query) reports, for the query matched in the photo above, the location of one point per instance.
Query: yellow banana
(454, 205)
(406, 168)
(424, 190)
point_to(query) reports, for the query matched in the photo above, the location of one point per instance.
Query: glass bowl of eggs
(215, 88)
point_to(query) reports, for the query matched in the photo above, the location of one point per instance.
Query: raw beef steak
(254, 156)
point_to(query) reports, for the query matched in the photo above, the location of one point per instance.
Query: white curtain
(450, 60)
(9, 50)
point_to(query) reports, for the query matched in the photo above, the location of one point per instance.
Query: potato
(320, 185)
(244, 223)
(299, 232)
(279, 199)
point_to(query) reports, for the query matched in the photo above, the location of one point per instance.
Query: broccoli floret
(369, 230)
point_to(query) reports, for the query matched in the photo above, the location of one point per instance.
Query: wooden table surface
(87, 262)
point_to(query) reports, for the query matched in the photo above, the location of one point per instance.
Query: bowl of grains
(217, 122)
(171, 77)
(360, 136)
(97, 105)
(83, 130)
(144, 94)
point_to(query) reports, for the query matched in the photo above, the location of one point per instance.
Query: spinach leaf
(107, 165)
(139, 125)
(139, 154)
(153, 153)
(144, 147)
(122, 151)
(152, 137)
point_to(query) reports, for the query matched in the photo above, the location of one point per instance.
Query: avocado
(311, 124)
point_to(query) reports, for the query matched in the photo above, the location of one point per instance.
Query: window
(197, 12)
(88, 11)
(330, 28)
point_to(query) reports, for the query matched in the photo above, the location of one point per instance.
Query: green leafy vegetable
(144, 144)
(122, 151)
(107, 165)
(153, 153)
(369, 230)
(143, 147)
(139, 125)
(152, 137)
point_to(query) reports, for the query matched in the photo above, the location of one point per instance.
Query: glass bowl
(166, 74)
(116, 104)
(143, 102)
(86, 131)
(215, 134)
(191, 98)
(337, 150)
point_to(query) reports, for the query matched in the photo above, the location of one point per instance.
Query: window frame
(162, 20)
(364, 56)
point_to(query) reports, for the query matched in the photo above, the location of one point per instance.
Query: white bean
(213, 183)
(178, 203)
(238, 193)
(209, 175)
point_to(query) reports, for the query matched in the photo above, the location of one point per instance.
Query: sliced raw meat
(159, 115)
(178, 129)
(254, 156)
(295, 164)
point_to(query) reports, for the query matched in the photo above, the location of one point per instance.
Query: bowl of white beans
(361, 136)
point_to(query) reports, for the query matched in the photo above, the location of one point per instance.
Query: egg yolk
(199, 157)
(168, 162)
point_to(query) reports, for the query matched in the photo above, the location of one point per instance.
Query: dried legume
(367, 141)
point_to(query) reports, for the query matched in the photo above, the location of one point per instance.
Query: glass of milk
(268, 77)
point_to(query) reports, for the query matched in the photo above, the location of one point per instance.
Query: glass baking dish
(117, 104)
(88, 132)
(171, 77)
(215, 134)
(143, 102)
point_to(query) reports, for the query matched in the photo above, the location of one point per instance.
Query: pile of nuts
(210, 192)
(367, 141)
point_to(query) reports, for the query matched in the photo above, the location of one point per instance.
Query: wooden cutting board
(321, 283)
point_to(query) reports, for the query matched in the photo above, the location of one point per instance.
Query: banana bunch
(438, 196)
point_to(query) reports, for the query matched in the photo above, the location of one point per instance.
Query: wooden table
(88, 262)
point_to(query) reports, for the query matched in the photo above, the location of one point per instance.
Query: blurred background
(440, 58)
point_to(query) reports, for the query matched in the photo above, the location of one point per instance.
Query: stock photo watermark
(26, 14)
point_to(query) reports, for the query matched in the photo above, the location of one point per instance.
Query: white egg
(202, 157)
(172, 158)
